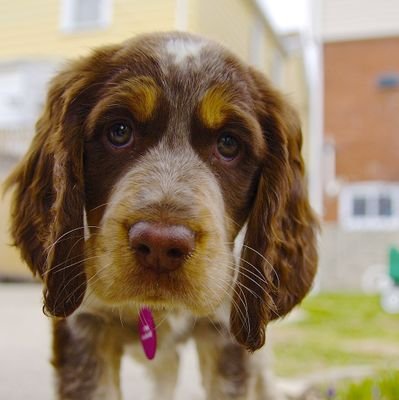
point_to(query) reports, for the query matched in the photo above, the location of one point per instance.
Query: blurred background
(338, 62)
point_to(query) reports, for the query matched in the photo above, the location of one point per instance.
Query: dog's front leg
(86, 358)
(163, 371)
(229, 371)
(226, 367)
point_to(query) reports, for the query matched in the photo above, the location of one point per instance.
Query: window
(388, 81)
(369, 205)
(359, 207)
(78, 15)
(21, 97)
(21, 102)
(12, 98)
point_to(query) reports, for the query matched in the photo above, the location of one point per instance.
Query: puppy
(149, 159)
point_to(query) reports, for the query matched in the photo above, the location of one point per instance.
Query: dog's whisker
(66, 287)
(255, 272)
(68, 258)
(86, 281)
(266, 261)
(263, 289)
(56, 270)
(163, 320)
(243, 316)
(100, 206)
(65, 235)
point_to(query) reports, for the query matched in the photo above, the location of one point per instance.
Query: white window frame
(371, 191)
(13, 101)
(331, 183)
(69, 25)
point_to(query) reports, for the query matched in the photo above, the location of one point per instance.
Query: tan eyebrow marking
(145, 96)
(140, 94)
(215, 106)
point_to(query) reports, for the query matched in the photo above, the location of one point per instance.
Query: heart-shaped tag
(148, 335)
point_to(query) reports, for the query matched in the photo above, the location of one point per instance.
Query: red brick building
(361, 129)
(360, 140)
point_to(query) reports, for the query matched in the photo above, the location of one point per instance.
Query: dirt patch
(372, 347)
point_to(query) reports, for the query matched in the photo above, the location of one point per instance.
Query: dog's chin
(197, 287)
(157, 297)
(166, 305)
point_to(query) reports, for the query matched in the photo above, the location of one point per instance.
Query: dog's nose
(161, 247)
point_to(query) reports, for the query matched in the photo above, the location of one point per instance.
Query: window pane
(13, 102)
(359, 207)
(87, 12)
(385, 206)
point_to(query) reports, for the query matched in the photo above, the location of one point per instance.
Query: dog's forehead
(182, 57)
(188, 52)
(183, 50)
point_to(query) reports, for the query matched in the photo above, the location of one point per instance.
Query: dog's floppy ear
(48, 205)
(47, 209)
(279, 256)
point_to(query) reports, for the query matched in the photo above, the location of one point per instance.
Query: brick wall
(361, 118)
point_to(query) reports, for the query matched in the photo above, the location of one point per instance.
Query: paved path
(25, 372)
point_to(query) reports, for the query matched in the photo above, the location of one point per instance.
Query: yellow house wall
(232, 23)
(226, 21)
(33, 28)
(267, 54)
(295, 88)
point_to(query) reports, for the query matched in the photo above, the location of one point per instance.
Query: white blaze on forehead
(182, 49)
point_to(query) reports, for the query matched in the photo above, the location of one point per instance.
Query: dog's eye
(228, 147)
(120, 134)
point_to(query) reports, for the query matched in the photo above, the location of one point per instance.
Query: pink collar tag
(148, 335)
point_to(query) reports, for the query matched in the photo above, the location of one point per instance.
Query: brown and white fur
(149, 159)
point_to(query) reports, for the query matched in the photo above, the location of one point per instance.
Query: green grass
(388, 385)
(335, 330)
(383, 387)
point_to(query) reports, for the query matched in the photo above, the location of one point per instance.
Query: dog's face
(176, 138)
(168, 145)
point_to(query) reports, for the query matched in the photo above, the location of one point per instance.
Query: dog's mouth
(159, 290)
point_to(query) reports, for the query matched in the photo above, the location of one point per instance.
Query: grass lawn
(383, 386)
(336, 330)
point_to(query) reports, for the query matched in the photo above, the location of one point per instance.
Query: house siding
(33, 29)
(355, 19)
